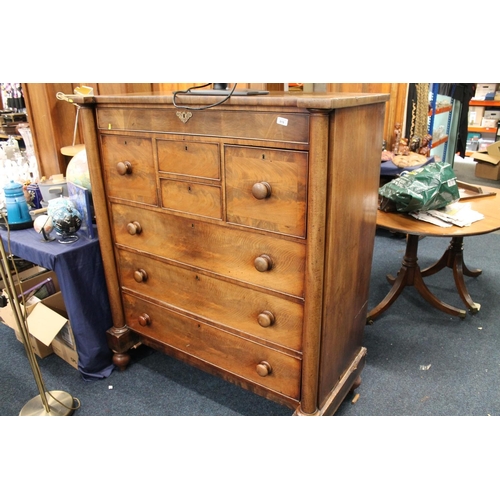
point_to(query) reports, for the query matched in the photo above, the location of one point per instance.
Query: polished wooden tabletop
(489, 206)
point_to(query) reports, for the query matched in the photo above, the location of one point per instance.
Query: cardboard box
(41, 350)
(8, 317)
(60, 337)
(487, 171)
(65, 352)
(32, 272)
(476, 114)
(488, 164)
(489, 122)
(485, 91)
(492, 155)
(492, 114)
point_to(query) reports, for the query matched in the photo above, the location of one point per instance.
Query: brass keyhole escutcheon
(261, 190)
(263, 263)
(124, 167)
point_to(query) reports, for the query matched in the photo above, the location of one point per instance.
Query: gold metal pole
(61, 403)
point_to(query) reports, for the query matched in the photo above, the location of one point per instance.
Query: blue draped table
(389, 169)
(79, 270)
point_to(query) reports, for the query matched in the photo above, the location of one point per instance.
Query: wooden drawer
(272, 126)
(267, 188)
(129, 169)
(195, 159)
(191, 198)
(273, 318)
(215, 347)
(224, 250)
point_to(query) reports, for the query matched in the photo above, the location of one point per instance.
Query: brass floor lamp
(46, 404)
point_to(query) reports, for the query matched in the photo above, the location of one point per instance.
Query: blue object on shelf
(17, 206)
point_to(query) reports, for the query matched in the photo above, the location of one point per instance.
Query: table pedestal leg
(410, 275)
(453, 258)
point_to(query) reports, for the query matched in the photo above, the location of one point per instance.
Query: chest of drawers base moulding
(260, 276)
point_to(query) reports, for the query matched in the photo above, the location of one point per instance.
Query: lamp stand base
(60, 405)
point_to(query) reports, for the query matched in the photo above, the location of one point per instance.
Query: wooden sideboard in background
(52, 121)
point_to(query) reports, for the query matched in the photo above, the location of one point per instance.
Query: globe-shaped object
(61, 202)
(78, 170)
(43, 223)
(67, 220)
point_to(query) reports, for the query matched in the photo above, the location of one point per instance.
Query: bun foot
(121, 360)
(355, 384)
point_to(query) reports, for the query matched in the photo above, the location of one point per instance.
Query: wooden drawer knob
(264, 369)
(144, 320)
(134, 228)
(263, 263)
(265, 319)
(124, 167)
(140, 275)
(261, 190)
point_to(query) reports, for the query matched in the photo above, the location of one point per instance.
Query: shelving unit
(491, 132)
(440, 122)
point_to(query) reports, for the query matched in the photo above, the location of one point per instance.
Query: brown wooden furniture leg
(410, 275)
(120, 341)
(453, 258)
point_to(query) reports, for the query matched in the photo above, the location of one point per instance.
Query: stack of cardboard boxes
(46, 318)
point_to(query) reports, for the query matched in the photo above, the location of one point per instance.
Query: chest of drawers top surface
(302, 100)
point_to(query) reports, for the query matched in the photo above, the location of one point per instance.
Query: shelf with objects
(442, 111)
(483, 119)
(12, 112)
(428, 135)
(74, 258)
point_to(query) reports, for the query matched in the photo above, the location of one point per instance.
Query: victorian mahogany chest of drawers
(239, 238)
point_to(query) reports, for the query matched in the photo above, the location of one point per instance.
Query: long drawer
(273, 318)
(246, 359)
(261, 259)
(272, 126)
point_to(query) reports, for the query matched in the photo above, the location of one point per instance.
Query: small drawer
(267, 188)
(191, 198)
(261, 259)
(129, 170)
(196, 159)
(269, 317)
(249, 360)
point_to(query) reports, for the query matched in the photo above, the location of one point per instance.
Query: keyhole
(263, 156)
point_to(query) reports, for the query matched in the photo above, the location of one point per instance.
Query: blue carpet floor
(420, 361)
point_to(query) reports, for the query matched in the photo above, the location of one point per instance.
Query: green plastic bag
(428, 188)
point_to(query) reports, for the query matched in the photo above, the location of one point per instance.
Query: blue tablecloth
(389, 169)
(79, 270)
